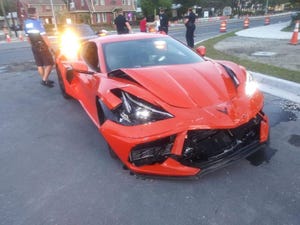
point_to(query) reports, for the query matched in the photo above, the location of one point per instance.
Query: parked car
(163, 108)
(72, 35)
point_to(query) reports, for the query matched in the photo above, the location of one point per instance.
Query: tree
(9, 6)
(185, 5)
(295, 4)
(209, 4)
(151, 8)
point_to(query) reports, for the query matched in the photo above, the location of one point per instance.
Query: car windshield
(148, 52)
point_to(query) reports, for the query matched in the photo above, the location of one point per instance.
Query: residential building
(44, 9)
(103, 11)
(79, 11)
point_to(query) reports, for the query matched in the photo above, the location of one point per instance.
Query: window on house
(98, 18)
(39, 9)
(102, 2)
(82, 2)
(72, 5)
(104, 19)
(101, 18)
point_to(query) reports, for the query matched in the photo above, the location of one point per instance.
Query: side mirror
(79, 67)
(201, 50)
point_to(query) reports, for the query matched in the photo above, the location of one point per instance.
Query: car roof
(82, 29)
(127, 37)
(76, 25)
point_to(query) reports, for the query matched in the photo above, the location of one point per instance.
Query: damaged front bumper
(202, 150)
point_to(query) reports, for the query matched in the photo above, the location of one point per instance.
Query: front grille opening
(202, 146)
(152, 152)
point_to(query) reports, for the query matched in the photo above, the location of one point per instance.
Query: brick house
(100, 11)
(87, 11)
(43, 7)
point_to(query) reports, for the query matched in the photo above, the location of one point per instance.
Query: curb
(278, 87)
(13, 40)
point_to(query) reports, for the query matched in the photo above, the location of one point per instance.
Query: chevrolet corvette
(163, 108)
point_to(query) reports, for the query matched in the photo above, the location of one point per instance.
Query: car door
(88, 81)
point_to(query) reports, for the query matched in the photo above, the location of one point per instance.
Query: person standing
(122, 25)
(190, 28)
(40, 46)
(154, 26)
(163, 21)
(143, 25)
(157, 23)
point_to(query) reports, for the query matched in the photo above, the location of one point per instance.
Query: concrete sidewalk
(272, 31)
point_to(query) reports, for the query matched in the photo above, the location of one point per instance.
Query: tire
(62, 85)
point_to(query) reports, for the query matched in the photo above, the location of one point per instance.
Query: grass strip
(263, 68)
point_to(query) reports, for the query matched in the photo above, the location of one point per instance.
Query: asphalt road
(55, 169)
(208, 29)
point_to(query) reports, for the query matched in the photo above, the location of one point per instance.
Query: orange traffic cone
(21, 37)
(246, 23)
(8, 39)
(294, 39)
(223, 26)
(267, 20)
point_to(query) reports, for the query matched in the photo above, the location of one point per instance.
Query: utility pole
(4, 14)
(267, 6)
(13, 23)
(53, 14)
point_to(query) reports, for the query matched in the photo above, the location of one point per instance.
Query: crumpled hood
(192, 85)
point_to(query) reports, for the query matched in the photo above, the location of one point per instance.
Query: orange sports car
(163, 108)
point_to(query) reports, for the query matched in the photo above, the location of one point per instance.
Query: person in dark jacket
(163, 21)
(190, 28)
(40, 46)
(122, 25)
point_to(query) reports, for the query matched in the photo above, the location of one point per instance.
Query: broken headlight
(135, 111)
(251, 85)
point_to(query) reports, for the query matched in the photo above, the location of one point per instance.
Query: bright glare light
(142, 114)
(69, 44)
(161, 45)
(68, 21)
(251, 85)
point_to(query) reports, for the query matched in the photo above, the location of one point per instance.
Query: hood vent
(232, 75)
(121, 74)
